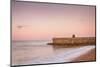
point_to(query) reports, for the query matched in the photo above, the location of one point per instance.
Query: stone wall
(76, 40)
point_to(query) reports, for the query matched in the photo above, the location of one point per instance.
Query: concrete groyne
(73, 41)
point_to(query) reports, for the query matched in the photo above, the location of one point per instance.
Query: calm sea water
(38, 52)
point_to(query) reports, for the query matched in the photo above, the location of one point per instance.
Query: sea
(39, 52)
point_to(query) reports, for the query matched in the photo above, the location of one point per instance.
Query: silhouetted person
(73, 36)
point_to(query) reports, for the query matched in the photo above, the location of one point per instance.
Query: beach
(88, 56)
(24, 53)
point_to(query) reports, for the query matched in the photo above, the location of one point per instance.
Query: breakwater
(73, 41)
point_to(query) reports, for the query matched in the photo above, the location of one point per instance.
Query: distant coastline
(29, 40)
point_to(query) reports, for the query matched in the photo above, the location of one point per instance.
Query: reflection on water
(40, 53)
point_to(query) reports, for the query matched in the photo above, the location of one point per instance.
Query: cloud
(20, 26)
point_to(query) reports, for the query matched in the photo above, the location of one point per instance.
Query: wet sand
(89, 56)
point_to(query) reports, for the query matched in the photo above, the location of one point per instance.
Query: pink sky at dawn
(43, 21)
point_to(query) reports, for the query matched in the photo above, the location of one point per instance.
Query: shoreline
(89, 56)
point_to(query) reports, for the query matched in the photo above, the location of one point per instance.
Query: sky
(44, 21)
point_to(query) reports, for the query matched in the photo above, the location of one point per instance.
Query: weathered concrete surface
(74, 41)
